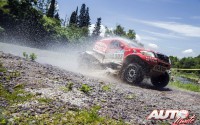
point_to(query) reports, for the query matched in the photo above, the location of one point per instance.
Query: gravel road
(118, 100)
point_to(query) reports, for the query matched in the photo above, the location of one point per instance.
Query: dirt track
(122, 101)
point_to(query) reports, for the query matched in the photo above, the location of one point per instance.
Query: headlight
(147, 53)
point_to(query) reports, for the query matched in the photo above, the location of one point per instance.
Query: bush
(85, 88)
(25, 55)
(33, 56)
(106, 88)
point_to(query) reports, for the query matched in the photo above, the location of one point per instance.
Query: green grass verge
(82, 117)
(190, 86)
(191, 76)
(17, 96)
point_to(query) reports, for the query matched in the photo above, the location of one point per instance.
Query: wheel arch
(137, 59)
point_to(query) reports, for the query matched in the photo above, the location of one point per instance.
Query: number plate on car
(159, 68)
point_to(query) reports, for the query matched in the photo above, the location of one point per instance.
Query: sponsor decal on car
(100, 47)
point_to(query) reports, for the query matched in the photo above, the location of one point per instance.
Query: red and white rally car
(130, 60)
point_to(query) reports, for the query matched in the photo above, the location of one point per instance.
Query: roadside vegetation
(186, 63)
(37, 23)
(85, 88)
(32, 56)
(13, 96)
(186, 86)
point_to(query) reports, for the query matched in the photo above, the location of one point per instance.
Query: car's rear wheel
(160, 81)
(132, 73)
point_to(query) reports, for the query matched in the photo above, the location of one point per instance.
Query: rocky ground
(54, 90)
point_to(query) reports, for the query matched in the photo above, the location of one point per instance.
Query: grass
(106, 88)
(190, 86)
(67, 87)
(85, 88)
(32, 56)
(17, 96)
(191, 76)
(44, 100)
(130, 96)
(81, 117)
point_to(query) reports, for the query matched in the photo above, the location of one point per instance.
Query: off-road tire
(132, 73)
(160, 81)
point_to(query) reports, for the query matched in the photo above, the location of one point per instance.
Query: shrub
(85, 88)
(106, 88)
(25, 55)
(33, 56)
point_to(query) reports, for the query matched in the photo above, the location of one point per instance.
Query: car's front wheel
(132, 73)
(160, 81)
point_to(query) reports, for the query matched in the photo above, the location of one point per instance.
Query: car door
(115, 52)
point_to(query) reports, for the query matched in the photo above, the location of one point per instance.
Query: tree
(73, 19)
(77, 15)
(119, 31)
(51, 10)
(41, 6)
(97, 28)
(57, 17)
(108, 32)
(82, 16)
(130, 34)
(87, 18)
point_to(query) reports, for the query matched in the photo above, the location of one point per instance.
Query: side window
(115, 45)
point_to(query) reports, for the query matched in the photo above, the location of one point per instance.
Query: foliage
(186, 62)
(106, 88)
(131, 34)
(3, 120)
(33, 56)
(80, 117)
(44, 100)
(70, 85)
(73, 18)
(85, 88)
(119, 31)
(25, 55)
(97, 28)
(37, 23)
(130, 96)
(190, 87)
(17, 96)
(51, 10)
(108, 32)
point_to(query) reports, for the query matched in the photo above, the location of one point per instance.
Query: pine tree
(82, 16)
(73, 19)
(77, 15)
(87, 18)
(97, 28)
(57, 16)
(51, 10)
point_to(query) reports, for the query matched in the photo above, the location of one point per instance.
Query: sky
(167, 26)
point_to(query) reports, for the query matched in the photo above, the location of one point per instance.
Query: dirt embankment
(117, 100)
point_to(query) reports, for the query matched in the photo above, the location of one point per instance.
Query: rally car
(131, 61)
